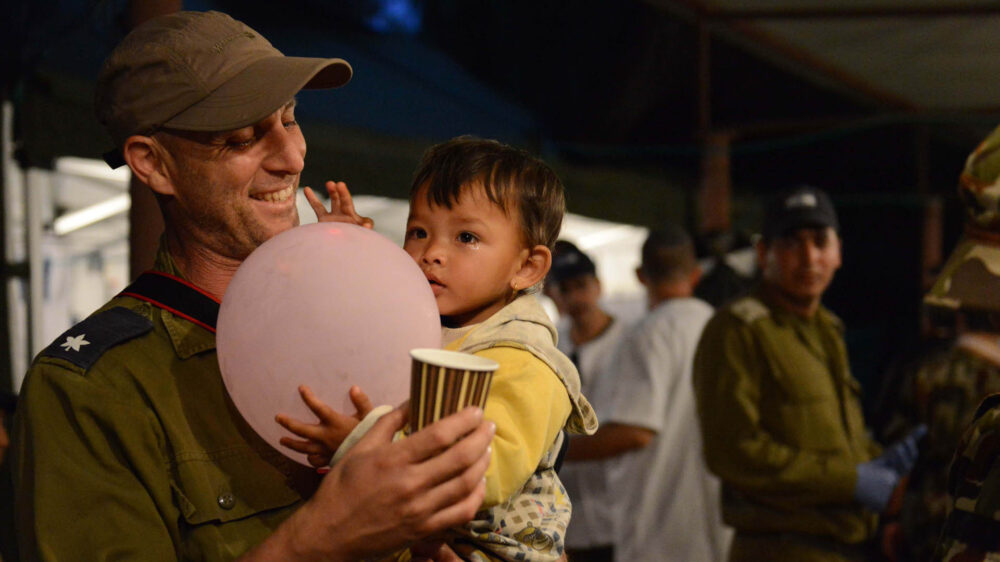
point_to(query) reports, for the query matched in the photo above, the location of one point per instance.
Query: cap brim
(970, 279)
(260, 90)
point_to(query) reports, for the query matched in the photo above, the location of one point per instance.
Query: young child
(483, 219)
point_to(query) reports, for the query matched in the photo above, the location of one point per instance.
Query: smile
(275, 196)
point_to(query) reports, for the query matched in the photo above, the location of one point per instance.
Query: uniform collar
(188, 338)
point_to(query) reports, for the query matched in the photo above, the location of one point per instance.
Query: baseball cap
(970, 279)
(802, 207)
(568, 262)
(200, 71)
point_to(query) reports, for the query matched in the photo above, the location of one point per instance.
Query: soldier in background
(970, 282)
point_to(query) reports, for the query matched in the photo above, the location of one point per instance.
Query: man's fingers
(457, 500)
(381, 433)
(468, 452)
(443, 433)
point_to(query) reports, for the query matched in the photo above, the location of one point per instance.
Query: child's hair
(511, 178)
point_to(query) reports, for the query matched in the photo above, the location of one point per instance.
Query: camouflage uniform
(970, 280)
(942, 391)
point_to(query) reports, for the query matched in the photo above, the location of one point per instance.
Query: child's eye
(416, 233)
(467, 238)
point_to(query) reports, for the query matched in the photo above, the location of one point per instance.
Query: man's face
(801, 264)
(579, 295)
(234, 190)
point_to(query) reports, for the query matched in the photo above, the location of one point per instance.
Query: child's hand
(341, 206)
(322, 439)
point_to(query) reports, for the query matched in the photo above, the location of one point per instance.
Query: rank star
(74, 342)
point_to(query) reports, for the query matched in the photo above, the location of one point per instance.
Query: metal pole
(6, 161)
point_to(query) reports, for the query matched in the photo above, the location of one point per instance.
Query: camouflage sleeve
(738, 448)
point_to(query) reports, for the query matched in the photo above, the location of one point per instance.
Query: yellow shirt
(529, 405)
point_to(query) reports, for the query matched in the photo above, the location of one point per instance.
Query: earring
(513, 285)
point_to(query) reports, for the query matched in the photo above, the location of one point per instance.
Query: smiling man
(780, 412)
(126, 445)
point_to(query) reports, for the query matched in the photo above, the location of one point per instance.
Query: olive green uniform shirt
(131, 449)
(782, 422)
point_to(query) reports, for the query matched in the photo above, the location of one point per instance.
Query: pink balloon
(327, 305)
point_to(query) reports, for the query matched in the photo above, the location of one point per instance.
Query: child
(483, 219)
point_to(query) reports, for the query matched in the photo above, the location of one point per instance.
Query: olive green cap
(200, 71)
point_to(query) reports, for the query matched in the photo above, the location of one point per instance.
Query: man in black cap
(125, 444)
(779, 410)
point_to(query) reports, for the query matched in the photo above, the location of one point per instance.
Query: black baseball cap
(802, 207)
(568, 262)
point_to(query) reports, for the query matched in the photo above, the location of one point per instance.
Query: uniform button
(226, 500)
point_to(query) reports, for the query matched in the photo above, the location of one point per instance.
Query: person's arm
(384, 494)
(728, 368)
(611, 440)
(529, 405)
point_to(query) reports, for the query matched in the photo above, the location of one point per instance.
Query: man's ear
(147, 159)
(640, 274)
(534, 267)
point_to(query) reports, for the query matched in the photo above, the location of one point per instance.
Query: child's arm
(530, 405)
(321, 440)
(341, 206)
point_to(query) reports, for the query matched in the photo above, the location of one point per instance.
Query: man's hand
(341, 206)
(384, 495)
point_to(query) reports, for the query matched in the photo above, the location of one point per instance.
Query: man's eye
(240, 144)
(290, 124)
(467, 238)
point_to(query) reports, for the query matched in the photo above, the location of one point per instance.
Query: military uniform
(942, 392)
(970, 281)
(972, 531)
(783, 429)
(127, 446)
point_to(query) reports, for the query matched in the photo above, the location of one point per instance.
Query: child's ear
(146, 157)
(534, 267)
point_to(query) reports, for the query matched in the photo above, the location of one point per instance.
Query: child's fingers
(306, 430)
(344, 203)
(315, 203)
(362, 403)
(304, 447)
(324, 412)
(319, 460)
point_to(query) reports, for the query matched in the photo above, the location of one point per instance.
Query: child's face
(469, 253)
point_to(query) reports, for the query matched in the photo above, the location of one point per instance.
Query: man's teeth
(275, 196)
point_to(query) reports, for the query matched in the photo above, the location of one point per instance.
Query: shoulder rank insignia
(83, 344)
(749, 309)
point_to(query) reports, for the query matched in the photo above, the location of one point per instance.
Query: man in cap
(970, 283)
(589, 338)
(779, 410)
(126, 445)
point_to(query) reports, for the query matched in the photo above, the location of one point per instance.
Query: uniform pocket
(229, 485)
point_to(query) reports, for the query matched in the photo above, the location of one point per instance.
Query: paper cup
(444, 382)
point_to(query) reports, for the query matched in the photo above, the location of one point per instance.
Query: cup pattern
(438, 391)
